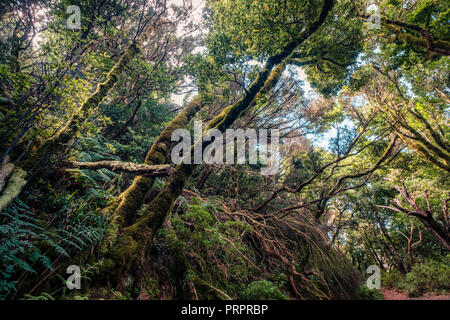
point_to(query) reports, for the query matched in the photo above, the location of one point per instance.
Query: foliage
(262, 290)
(363, 156)
(428, 277)
(73, 228)
(206, 236)
(370, 294)
(391, 279)
(18, 226)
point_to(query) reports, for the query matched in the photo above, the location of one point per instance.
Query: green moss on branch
(13, 188)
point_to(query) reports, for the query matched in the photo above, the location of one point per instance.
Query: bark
(411, 245)
(436, 230)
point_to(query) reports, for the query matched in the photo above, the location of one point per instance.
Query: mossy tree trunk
(65, 134)
(14, 186)
(415, 37)
(128, 203)
(130, 249)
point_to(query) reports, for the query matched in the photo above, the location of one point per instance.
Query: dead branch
(160, 170)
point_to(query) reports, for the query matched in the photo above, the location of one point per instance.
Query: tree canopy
(352, 96)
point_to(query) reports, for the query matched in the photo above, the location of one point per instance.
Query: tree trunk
(14, 186)
(134, 243)
(70, 130)
(437, 231)
(125, 209)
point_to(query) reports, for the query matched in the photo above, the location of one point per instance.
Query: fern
(75, 227)
(42, 296)
(18, 231)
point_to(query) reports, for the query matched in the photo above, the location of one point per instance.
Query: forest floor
(392, 294)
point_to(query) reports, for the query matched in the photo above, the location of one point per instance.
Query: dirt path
(391, 294)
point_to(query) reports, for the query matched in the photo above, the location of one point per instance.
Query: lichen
(13, 188)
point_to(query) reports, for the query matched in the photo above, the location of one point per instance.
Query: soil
(392, 294)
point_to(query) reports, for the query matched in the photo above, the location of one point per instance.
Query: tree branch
(160, 170)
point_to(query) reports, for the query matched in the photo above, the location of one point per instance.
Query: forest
(334, 183)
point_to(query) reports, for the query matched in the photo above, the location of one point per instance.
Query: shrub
(370, 294)
(428, 277)
(262, 290)
(391, 279)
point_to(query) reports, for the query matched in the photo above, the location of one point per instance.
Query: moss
(75, 295)
(152, 287)
(129, 202)
(417, 41)
(70, 130)
(159, 152)
(422, 150)
(121, 255)
(157, 211)
(216, 292)
(179, 264)
(14, 186)
(137, 238)
(5, 172)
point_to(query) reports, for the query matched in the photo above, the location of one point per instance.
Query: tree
(90, 114)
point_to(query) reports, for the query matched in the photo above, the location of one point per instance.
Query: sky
(196, 17)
